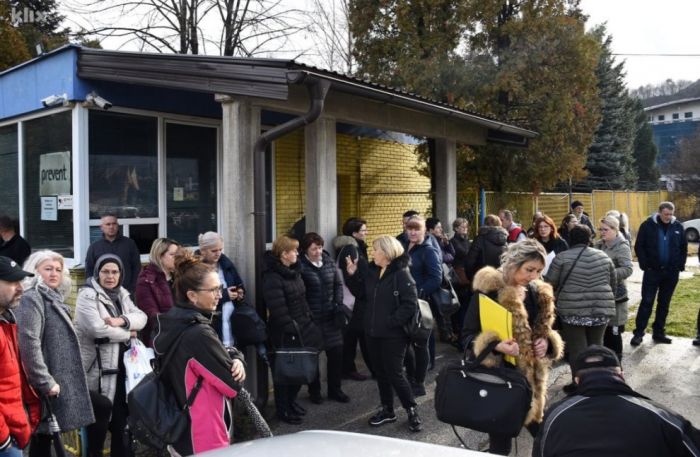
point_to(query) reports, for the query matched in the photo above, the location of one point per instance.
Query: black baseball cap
(595, 356)
(10, 271)
(576, 204)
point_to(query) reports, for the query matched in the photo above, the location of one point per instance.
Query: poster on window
(54, 173)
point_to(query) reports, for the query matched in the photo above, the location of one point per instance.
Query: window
(661, 117)
(191, 185)
(123, 165)
(688, 115)
(9, 191)
(675, 115)
(47, 173)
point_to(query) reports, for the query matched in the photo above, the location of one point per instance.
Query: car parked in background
(692, 229)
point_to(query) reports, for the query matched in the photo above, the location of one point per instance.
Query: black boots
(414, 422)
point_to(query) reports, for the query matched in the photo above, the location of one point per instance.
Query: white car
(326, 443)
(692, 229)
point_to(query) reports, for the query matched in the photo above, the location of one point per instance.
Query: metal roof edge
(674, 102)
(43, 56)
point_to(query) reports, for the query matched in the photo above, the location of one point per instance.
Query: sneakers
(636, 340)
(663, 339)
(384, 416)
(414, 422)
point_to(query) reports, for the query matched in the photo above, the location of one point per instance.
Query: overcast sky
(651, 27)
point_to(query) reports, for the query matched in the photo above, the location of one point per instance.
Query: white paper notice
(49, 208)
(548, 262)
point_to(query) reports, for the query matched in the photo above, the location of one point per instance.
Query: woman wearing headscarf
(105, 321)
(49, 348)
(324, 293)
(615, 245)
(518, 288)
(211, 246)
(154, 285)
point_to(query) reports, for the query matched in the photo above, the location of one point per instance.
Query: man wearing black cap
(577, 210)
(605, 417)
(15, 428)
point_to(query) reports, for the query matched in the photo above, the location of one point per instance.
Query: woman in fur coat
(518, 288)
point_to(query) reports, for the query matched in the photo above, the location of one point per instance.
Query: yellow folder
(496, 318)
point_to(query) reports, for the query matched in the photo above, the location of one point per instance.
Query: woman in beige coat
(105, 321)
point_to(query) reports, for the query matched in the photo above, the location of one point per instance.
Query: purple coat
(153, 296)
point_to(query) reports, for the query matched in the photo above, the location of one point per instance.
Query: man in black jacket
(607, 418)
(113, 242)
(661, 249)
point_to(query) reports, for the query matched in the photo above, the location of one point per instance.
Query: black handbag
(295, 365)
(489, 400)
(155, 417)
(445, 298)
(247, 325)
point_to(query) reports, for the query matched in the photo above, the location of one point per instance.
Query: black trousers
(109, 417)
(350, 339)
(285, 395)
(664, 283)
(387, 358)
(613, 339)
(40, 445)
(334, 368)
(417, 360)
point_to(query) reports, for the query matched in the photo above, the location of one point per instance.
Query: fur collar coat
(489, 281)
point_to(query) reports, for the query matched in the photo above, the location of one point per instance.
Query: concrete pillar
(240, 131)
(321, 179)
(445, 182)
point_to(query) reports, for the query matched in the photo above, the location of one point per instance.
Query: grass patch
(683, 313)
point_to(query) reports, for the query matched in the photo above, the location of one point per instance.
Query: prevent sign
(54, 173)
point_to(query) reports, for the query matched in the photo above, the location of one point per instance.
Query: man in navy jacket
(661, 249)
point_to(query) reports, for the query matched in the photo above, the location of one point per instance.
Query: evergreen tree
(13, 49)
(40, 24)
(644, 150)
(610, 162)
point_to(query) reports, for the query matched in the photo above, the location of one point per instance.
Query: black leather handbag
(445, 298)
(295, 365)
(489, 400)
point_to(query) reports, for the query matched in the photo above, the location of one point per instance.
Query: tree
(228, 27)
(610, 162)
(332, 37)
(39, 23)
(13, 48)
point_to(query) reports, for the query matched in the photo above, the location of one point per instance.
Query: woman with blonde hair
(391, 297)
(154, 294)
(50, 350)
(517, 286)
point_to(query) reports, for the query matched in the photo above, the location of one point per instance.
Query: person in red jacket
(16, 425)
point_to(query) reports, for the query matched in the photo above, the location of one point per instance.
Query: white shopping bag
(137, 362)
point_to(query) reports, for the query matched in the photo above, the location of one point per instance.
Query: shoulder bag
(445, 296)
(421, 323)
(295, 365)
(568, 273)
(489, 400)
(155, 417)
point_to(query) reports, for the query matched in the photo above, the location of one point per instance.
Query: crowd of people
(564, 287)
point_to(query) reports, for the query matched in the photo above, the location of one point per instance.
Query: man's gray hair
(666, 205)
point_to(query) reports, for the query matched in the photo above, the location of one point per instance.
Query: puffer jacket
(153, 296)
(589, 289)
(15, 392)
(199, 354)
(324, 293)
(285, 297)
(386, 312)
(91, 308)
(621, 255)
(425, 267)
(486, 249)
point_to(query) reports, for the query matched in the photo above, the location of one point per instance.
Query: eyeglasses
(213, 290)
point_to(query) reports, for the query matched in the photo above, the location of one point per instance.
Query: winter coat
(555, 245)
(447, 251)
(324, 293)
(15, 391)
(647, 245)
(532, 319)
(589, 289)
(15, 248)
(50, 354)
(606, 418)
(585, 220)
(232, 278)
(348, 246)
(387, 312)
(124, 248)
(91, 308)
(153, 296)
(461, 246)
(425, 267)
(199, 354)
(285, 297)
(486, 249)
(621, 255)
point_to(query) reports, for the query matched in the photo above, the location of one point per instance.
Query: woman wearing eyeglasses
(200, 360)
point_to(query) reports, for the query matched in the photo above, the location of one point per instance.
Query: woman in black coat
(289, 316)
(546, 233)
(487, 247)
(391, 302)
(324, 293)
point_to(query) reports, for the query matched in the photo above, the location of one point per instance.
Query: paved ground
(669, 374)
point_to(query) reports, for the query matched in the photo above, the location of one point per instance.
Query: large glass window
(123, 165)
(47, 175)
(9, 191)
(191, 181)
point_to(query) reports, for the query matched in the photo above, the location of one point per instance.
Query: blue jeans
(12, 451)
(664, 283)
